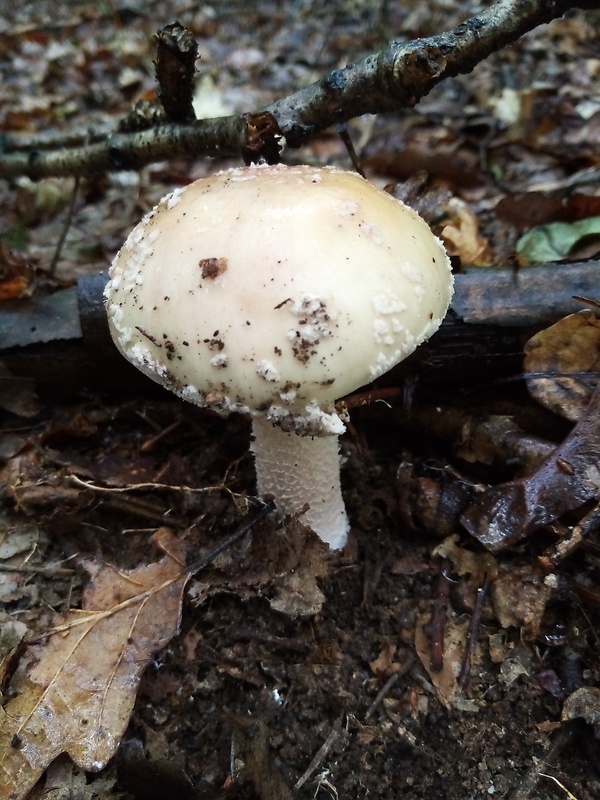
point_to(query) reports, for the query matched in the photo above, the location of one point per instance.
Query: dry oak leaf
(74, 691)
(562, 363)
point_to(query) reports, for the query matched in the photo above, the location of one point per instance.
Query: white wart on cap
(274, 291)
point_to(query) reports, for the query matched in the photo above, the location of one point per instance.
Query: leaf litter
(74, 689)
(281, 639)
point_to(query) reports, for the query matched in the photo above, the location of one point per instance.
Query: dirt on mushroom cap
(276, 290)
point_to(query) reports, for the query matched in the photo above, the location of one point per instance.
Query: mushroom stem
(301, 470)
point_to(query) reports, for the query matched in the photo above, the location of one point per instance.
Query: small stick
(280, 642)
(553, 556)
(437, 625)
(321, 753)
(342, 130)
(465, 670)
(28, 569)
(203, 562)
(67, 225)
(391, 681)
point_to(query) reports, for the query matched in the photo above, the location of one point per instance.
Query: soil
(297, 672)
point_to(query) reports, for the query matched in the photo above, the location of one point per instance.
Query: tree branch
(404, 72)
(397, 77)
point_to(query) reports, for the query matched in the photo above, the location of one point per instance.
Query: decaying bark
(176, 54)
(395, 78)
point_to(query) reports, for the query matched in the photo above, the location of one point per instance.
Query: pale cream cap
(275, 290)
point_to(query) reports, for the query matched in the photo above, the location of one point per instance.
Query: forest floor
(414, 663)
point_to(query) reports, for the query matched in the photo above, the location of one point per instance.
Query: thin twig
(387, 686)
(570, 543)
(473, 629)
(28, 569)
(147, 486)
(321, 754)
(201, 563)
(437, 624)
(66, 226)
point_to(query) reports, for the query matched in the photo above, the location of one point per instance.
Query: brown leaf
(562, 363)
(519, 597)
(462, 237)
(74, 691)
(528, 209)
(506, 514)
(479, 566)
(429, 201)
(445, 681)
(384, 665)
(285, 566)
(297, 592)
(16, 275)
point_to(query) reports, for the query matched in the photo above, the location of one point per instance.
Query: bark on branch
(397, 77)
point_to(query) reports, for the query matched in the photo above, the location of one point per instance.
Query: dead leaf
(479, 566)
(284, 565)
(519, 597)
(503, 515)
(65, 781)
(445, 680)
(384, 665)
(562, 364)
(297, 592)
(16, 275)
(529, 209)
(12, 633)
(584, 703)
(412, 563)
(74, 691)
(462, 237)
(428, 200)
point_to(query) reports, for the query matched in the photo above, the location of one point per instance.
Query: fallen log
(61, 340)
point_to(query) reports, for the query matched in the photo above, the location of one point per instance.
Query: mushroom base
(301, 470)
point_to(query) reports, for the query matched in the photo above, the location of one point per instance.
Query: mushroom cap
(275, 290)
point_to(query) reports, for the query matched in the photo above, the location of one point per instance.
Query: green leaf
(556, 240)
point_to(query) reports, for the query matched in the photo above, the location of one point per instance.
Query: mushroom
(274, 291)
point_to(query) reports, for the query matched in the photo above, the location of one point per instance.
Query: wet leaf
(562, 364)
(74, 691)
(559, 240)
(504, 515)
